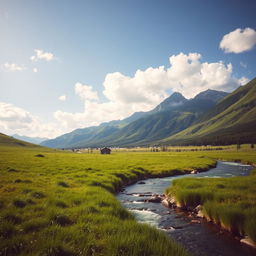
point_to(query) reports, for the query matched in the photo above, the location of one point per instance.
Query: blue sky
(92, 40)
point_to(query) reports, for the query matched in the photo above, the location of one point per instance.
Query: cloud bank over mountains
(124, 95)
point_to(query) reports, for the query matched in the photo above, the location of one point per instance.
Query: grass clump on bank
(228, 202)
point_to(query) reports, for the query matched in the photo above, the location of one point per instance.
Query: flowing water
(201, 239)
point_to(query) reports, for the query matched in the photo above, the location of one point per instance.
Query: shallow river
(203, 238)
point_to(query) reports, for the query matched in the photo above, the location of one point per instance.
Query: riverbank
(197, 235)
(229, 203)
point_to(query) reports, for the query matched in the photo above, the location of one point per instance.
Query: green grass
(61, 203)
(228, 202)
(64, 203)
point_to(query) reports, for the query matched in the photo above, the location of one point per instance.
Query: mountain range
(173, 115)
(211, 117)
(34, 140)
(232, 120)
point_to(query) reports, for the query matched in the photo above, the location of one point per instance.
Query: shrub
(39, 155)
(38, 195)
(62, 220)
(34, 225)
(7, 230)
(10, 217)
(61, 204)
(57, 251)
(19, 203)
(12, 170)
(1, 204)
(63, 184)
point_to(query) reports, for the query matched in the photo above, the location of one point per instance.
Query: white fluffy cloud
(243, 80)
(17, 120)
(13, 67)
(239, 40)
(186, 74)
(35, 70)
(143, 91)
(62, 97)
(86, 92)
(41, 55)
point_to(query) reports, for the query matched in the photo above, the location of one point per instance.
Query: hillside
(88, 135)
(173, 115)
(232, 120)
(10, 141)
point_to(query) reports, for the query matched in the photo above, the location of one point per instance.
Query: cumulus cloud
(62, 97)
(13, 67)
(41, 55)
(186, 74)
(243, 80)
(86, 92)
(239, 40)
(35, 70)
(125, 95)
(17, 120)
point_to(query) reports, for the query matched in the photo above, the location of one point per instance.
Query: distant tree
(164, 148)
(252, 145)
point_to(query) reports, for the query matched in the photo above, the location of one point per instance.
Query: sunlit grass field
(62, 203)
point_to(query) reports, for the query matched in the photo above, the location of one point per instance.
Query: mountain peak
(211, 95)
(173, 101)
(176, 96)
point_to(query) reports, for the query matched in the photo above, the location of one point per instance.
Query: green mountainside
(173, 115)
(157, 125)
(232, 120)
(85, 136)
(10, 141)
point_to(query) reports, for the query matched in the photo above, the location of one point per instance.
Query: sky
(73, 64)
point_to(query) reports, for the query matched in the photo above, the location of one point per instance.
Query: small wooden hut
(105, 151)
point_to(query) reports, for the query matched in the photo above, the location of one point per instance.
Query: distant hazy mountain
(173, 115)
(232, 120)
(85, 136)
(34, 140)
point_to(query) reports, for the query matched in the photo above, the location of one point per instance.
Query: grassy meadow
(62, 203)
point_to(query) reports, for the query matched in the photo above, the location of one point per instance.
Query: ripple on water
(235, 164)
(146, 216)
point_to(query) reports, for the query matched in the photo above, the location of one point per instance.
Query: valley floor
(62, 203)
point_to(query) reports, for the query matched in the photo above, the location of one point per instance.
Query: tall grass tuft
(228, 202)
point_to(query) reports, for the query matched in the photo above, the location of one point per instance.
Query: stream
(199, 237)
